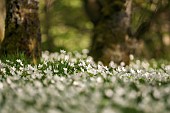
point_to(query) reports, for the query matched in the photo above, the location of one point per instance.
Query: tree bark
(111, 25)
(22, 34)
(2, 19)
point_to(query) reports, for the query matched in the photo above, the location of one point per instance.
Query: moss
(22, 25)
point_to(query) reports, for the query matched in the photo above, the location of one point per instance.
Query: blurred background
(64, 25)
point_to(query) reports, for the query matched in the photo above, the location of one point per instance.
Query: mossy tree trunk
(2, 19)
(111, 20)
(22, 31)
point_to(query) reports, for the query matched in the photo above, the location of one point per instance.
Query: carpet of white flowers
(72, 83)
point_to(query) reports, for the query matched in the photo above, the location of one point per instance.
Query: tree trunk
(2, 19)
(22, 34)
(111, 25)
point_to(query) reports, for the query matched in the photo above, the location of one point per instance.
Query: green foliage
(15, 57)
(72, 82)
(69, 27)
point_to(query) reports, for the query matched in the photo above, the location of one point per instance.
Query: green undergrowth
(68, 82)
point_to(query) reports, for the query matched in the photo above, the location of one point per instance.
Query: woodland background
(33, 80)
(65, 25)
(111, 30)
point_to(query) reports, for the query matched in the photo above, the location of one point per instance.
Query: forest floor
(72, 83)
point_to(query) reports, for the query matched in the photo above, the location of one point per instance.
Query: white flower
(40, 65)
(139, 71)
(21, 68)
(92, 71)
(145, 65)
(1, 86)
(120, 91)
(19, 73)
(3, 70)
(56, 71)
(62, 51)
(76, 83)
(85, 51)
(82, 70)
(131, 57)
(83, 63)
(65, 70)
(62, 79)
(112, 64)
(124, 69)
(89, 59)
(100, 68)
(78, 55)
(9, 80)
(132, 71)
(29, 67)
(7, 61)
(48, 72)
(13, 68)
(20, 62)
(167, 69)
(109, 93)
(119, 69)
(38, 84)
(89, 67)
(122, 64)
(99, 80)
(66, 57)
(71, 64)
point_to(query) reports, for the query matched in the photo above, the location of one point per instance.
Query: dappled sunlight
(166, 40)
(124, 68)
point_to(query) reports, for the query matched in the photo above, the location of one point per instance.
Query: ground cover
(72, 83)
